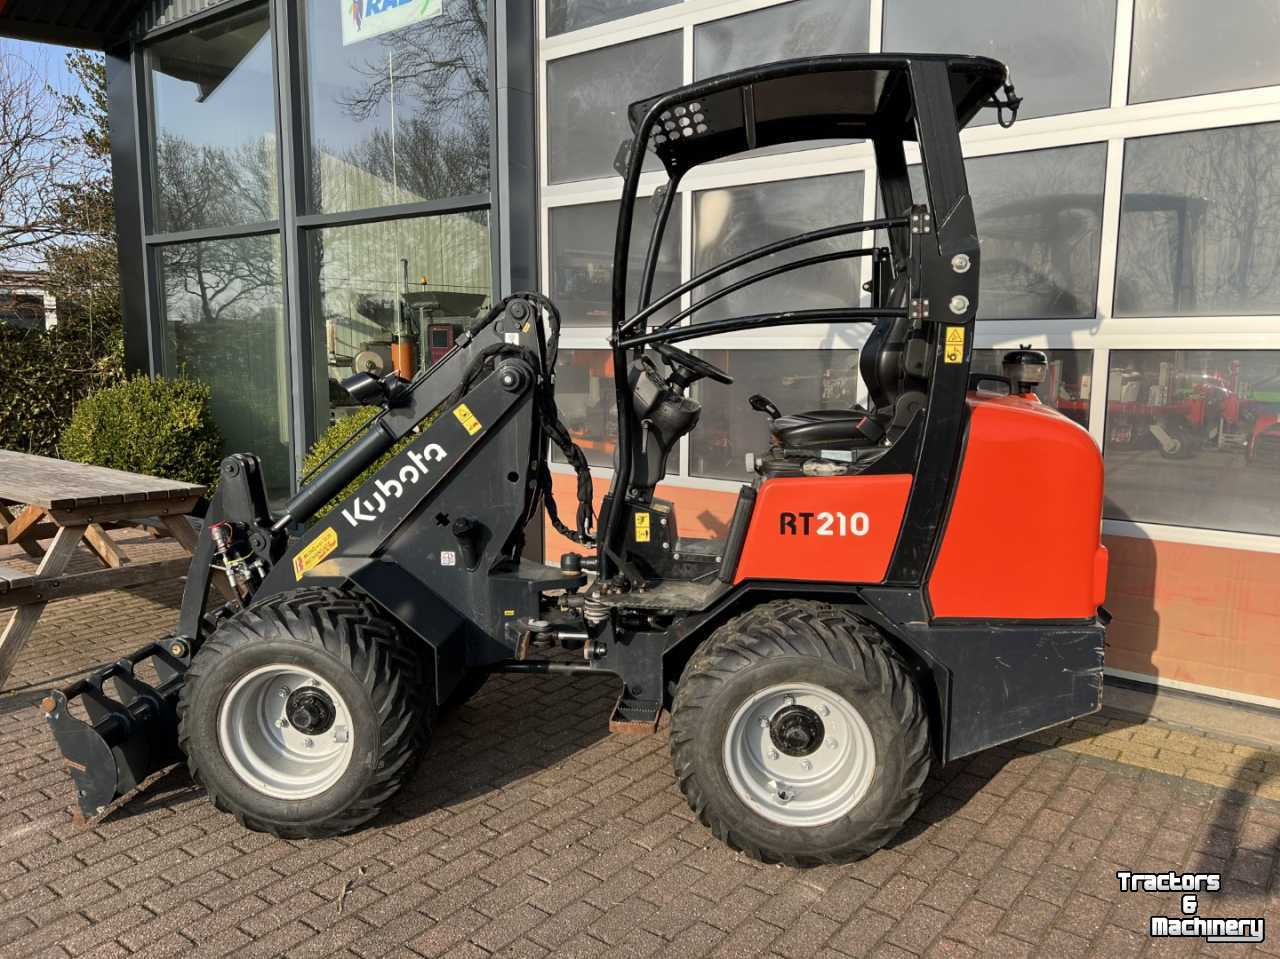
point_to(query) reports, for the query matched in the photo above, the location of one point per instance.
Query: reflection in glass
(362, 304)
(1040, 219)
(582, 241)
(731, 221)
(1058, 54)
(224, 325)
(1199, 224)
(566, 15)
(399, 117)
(1182, 48)
(587, 99)
(584, 396)
(1193, 438)
(1066, 385)
(804, 28)
(215, 146)
(795, 380)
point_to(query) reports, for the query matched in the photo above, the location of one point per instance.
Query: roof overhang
(95, 24)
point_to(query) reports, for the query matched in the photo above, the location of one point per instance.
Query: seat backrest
(880, 361)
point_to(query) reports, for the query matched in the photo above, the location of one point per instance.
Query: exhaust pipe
(132, 731)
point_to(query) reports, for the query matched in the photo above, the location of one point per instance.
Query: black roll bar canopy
(886, 98)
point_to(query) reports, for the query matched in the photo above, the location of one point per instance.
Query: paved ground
(532, 832)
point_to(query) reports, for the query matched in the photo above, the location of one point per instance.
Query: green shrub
(159, 427)
(43, 375)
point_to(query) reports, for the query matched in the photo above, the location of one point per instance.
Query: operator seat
(893, 365)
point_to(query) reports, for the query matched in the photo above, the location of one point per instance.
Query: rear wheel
(304, 715)
(798, 736)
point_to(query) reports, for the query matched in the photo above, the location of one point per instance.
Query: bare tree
(39, 157)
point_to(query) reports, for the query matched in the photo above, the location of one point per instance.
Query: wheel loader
(901, 584)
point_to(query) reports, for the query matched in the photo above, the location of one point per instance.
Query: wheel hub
(285, 731)
(310, 711)
(799, 754)
(796, 730)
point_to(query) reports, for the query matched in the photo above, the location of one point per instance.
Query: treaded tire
(810, 642)
(347, 641)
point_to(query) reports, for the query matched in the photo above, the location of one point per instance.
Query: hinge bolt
(961, 263)
(959, 304)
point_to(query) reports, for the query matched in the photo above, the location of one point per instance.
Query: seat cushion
(825, 429)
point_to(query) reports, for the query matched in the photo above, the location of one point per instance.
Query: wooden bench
(72, 504)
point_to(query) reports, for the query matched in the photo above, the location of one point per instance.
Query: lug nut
(833, 744)
(773, 754)
(961, 263)
(764, 722)
(789, 701)
(284, 692)
(282, 723)
(342, 735)
(806, 765)
(826, 710)
(308, 742)
(959, 303)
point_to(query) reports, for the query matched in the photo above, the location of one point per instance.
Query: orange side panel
(834, 529)
(1023, 537)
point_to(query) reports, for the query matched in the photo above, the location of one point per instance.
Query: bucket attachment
(132, 731)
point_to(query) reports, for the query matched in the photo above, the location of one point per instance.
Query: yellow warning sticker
(313, 553)
(954, 350)
(642, 527)
(467, 419)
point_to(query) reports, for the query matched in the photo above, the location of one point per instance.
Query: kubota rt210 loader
(864, 618)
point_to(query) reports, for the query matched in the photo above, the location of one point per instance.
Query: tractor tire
(304, 715)
(798, 736)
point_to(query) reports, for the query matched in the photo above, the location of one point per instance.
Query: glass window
(566, 15)
(804, 28)
(796, 380)
(582, 240)
(361, 297)
(733, 220)
(224, 325)
(1193, 438)
(1058, 54)
(396, 115)
(1186, 47)
(1199, 228)
(215, 146)
(1039, 216)
(1066, 385)
(584, 396)
(587, 99)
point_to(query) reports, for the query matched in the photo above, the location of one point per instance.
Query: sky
(49, 59)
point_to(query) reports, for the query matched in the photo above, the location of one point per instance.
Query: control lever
(762, 404)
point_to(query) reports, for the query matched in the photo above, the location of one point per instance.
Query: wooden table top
(58, 484)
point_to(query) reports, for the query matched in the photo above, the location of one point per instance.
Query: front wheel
(304, 715)
(798, 736)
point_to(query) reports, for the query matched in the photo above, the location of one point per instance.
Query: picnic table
(73, 504)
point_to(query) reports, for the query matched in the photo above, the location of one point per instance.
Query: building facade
(303, 186)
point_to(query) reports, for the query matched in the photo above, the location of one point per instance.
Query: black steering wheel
(694, 365)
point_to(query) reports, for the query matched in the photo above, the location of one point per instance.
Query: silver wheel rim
(809, 788)
(266, 750)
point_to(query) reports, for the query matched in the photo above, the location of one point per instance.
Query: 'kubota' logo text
(824, 524)
(387, 490)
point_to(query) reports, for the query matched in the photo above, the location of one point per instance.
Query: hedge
(158, 426)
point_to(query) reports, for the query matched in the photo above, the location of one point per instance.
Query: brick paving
(530, 831)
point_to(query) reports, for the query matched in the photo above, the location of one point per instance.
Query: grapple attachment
(132, 731)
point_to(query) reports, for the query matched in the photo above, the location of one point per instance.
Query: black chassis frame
(465, 590)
